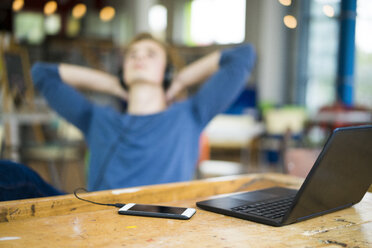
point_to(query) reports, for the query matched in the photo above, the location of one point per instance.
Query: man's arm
(83, 78)
(224, 86)
(194, 73)
(67, 101)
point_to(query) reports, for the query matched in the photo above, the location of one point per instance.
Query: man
(153, 142)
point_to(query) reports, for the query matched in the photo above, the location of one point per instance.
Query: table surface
(64, 221)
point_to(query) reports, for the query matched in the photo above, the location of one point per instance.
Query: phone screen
(157, 209)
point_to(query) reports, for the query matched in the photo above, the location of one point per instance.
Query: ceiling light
(290, 21)
(328, 10)
(17, 5)
(107, 13)
(285, 2)
(50, 7)
(79, 10)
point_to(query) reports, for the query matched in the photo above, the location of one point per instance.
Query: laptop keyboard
(272, 209)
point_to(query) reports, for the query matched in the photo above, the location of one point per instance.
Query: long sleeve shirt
(129, 150)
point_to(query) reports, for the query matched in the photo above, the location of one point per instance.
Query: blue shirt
(132, 150)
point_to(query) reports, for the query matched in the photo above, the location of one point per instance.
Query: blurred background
(313, 74)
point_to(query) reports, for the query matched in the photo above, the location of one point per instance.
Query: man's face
(145, 61)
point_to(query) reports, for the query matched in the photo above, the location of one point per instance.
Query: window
(363, 63)
(52, 24)
(157, 20)
(322, 53)
(29, 27)
(216, 21)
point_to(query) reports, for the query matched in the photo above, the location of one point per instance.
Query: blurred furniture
(340, 115)
(219, 168)
(279, 121)
(204, 148)
(17, 93)
(284, 128)
(231, 144)
(208, 168)
(321, 124)
(21, 111)
(16, 85)
(63, 155)
(232, 131)
(65, 221)
(13, 122)
(299, 161)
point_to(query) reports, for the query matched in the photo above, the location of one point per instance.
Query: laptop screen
(340, 176)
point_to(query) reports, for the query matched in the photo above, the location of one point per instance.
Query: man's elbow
(40, 71)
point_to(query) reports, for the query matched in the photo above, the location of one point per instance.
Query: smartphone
(157, 211)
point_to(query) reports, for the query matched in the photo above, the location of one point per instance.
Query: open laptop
(339, 178)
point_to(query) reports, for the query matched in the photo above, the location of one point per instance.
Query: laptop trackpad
(254, 196)
(224, 202)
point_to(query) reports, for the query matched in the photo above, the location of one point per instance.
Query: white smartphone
(157, 211)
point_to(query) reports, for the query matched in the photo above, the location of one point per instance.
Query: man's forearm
(194, 73)
(199, 70)
(89, 79)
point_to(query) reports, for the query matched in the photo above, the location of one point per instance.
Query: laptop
(339, 178)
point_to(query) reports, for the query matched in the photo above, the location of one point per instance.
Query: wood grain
(62, 205)
(66, 222)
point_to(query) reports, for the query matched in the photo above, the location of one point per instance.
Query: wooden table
(67, 222)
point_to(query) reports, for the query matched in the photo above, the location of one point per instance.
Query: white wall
(140, 14)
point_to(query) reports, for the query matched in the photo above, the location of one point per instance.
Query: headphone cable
(118, 205)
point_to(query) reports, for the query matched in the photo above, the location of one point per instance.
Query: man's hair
(148, 36)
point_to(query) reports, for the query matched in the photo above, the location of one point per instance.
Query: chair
(65, 149)
(284, 127)
(1, 137)
(229, 139)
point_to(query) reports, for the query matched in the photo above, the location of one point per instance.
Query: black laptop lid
(340, 176)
